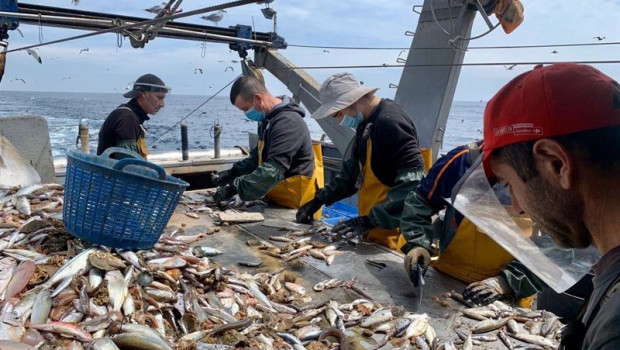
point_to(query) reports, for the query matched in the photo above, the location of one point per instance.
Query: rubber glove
(487, 291)
(305, 213)
(223, 177)
(355, 227)
(224, 193)
(414, 256)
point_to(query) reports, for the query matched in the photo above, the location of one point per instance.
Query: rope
(151, 21)
(192, 112)
(449, 48)
(474, 64)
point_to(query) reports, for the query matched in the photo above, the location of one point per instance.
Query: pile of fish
(58, 292)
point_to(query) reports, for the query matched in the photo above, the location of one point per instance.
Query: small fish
(381, 315)
(41, 307)
(296, 288)
(204, 251)
(535, 339)
(504, 338)
(64, 328)
(489, 325)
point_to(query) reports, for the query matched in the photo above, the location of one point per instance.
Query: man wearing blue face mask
(384, 166)
(285, 167)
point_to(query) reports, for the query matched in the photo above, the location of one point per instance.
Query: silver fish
(117, 289)
(202, 251)
(71, 268)
(41, 308)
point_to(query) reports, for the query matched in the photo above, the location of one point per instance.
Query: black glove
(305, 213)
(414, 256)
(224, 193)
(487, 291)
(224, 177)
(355, 227)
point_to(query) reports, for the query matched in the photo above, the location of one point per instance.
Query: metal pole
(184, 141)
(84, 136)
(217, 131)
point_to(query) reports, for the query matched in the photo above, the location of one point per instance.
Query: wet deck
(387, 286)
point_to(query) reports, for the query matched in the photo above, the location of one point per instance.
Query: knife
(419, 288)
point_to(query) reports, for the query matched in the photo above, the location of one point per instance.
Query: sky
(107, 68)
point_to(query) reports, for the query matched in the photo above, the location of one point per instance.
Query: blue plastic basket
(123, 203)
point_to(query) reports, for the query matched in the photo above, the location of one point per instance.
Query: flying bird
(599, 38)
(35, 54)
(510, 67)
(83, 50)
(20, 79)
(554, 51)
(231, 68)
(214, 17)
(211, 86)
(234, 61)
(326, 51)
(65, 78)
(401, 52)
(197, 70)
(156, 8)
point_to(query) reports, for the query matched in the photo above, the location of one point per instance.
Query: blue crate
(123, 203)
(337, 212)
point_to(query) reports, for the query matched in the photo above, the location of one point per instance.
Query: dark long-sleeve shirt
(287, 152)
(122, 127)
(395, 161)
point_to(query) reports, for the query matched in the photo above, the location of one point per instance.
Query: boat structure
(376, 300)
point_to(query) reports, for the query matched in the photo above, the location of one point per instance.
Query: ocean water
(63, 112)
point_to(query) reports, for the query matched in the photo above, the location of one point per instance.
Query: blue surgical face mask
(352, 122)
(255, 115)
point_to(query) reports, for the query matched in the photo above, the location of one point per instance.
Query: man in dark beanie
(123, 127)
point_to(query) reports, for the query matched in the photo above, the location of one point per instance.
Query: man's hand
(305, 213)
(414, 256)
(224, 193)
(487, 291)
(223, 177)
(355, 227)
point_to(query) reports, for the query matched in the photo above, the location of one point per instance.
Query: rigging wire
(473, 64)
(156, 20)
(195, 109)
(449, 48)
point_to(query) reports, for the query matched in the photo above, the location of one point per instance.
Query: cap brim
(330, 108)
(132, 94)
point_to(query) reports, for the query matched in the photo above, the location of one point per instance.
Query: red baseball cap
(558, 99)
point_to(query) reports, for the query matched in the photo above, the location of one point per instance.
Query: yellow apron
(295, 191)
(472, 256)
(141, 142)
(427, 157)
(370, 194)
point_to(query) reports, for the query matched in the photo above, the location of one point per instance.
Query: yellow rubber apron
(370, 194)
(141, 142)
(295, 191)
(472, 256)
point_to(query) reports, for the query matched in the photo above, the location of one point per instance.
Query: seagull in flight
(554, 51)
(35, 54)
(510, 67)
(65, 78)
(401, 52)
(20, 79)
(83, 50)
(231, 68)
(211, 86)
(156, 9)
(214, 17)
(326, 51)
(197, 70)
(599, 38)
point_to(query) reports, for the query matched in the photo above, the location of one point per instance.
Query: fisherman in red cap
(552, 135)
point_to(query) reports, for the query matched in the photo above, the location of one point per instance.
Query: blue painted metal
(8, 23)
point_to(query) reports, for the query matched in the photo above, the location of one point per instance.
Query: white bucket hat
(339, 92)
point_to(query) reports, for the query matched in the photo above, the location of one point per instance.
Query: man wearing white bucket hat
(384, 166)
